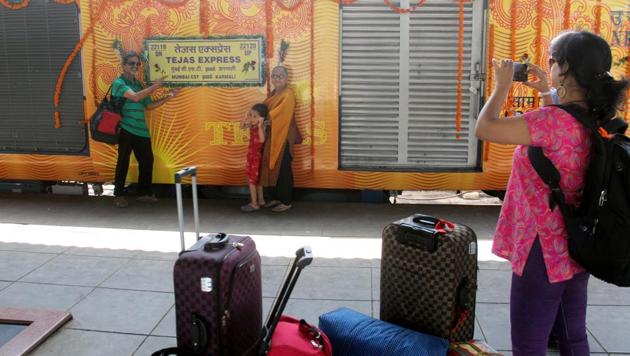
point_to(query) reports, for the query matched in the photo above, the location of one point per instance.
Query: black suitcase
(218, 293)
(429, 277)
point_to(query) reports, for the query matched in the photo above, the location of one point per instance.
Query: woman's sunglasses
(133, 64)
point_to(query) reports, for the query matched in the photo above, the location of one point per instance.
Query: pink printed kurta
(525, 212)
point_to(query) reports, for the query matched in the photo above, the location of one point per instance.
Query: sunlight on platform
(169, 241)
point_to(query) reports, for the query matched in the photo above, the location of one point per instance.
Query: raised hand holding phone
(520, 72)
(540, 81)
(504, 72)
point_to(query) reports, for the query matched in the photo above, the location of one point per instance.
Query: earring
(561, 91)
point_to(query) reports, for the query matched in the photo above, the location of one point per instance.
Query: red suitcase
(284, 335)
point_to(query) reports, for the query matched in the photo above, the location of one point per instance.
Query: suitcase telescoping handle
(188, 171)
(303, 258)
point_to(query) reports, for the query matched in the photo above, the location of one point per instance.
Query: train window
(399, 86)
(35, 41)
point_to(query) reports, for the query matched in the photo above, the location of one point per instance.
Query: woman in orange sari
(276, 168)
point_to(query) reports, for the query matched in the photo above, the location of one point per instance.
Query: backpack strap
(549, 175)
(546, 169)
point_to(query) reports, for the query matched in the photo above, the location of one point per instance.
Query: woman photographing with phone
(549, 289)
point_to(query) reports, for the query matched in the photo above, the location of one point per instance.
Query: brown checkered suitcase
(218, 293)
(429, 276)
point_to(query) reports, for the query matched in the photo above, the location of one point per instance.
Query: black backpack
(599, 229)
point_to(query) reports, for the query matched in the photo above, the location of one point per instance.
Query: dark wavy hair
(590, 60)
(262, 110)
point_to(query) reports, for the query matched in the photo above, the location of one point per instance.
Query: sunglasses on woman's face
(133, 64)
(277, 76)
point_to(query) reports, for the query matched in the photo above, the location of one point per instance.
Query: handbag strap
(118, 105)
(108, 91)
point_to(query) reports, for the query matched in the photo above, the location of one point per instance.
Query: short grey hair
(129, 54)
(284, 69)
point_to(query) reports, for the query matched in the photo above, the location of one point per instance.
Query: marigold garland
(284, 7)
(627, 108)
(538, 27)
(513, 15)
(312, 81)
(269, 32)
(510, 101)
(566, 23)
(93, 72)
(489, 77)
(62, 76)
(398, 10)
(203, 18)
(66, 66)
(147, 24)
(15, 6)
(598, 17)
(489, 70)
(25, 3)
(173, 3)
(538, 42)
(460, 70)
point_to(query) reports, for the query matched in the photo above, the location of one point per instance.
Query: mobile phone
(520, 72)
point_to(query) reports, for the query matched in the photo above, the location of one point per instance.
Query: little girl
(256, 120)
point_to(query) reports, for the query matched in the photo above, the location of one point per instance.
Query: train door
(399, 86)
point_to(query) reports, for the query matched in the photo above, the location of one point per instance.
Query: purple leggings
(537, 307)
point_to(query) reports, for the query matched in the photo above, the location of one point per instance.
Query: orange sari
(283, 129)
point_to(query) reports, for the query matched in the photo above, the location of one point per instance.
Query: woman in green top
(134, 133)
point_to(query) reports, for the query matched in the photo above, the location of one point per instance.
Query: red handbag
(105, 122)
(294, 337)
(109, 123)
